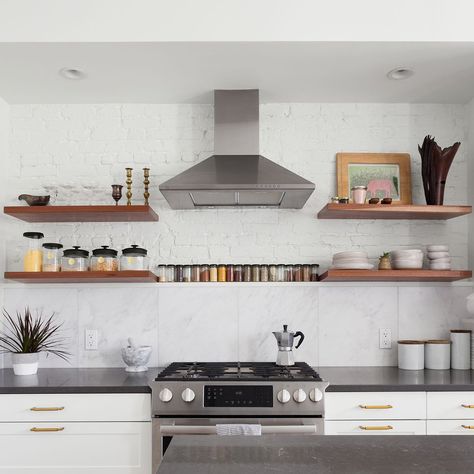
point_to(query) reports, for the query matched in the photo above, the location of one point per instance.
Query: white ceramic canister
(438, 354)
(461, 349)
(411, 355)
(359, 194)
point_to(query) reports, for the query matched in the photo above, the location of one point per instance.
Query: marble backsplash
(341, 323)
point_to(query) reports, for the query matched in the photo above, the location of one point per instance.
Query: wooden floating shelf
(391, 211)
(135, 213)
(395, 275)
(136, 276)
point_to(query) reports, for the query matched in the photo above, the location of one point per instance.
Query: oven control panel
(245, 396)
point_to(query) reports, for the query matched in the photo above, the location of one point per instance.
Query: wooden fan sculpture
(435, 163)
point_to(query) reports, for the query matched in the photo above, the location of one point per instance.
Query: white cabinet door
(450, 427)
(77, 448)
(450, 405)
(378, 427)
(375, 405)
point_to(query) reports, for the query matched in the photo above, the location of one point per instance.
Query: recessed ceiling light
(72, 73)
(400, 73)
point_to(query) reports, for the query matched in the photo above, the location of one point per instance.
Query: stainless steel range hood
(236, 176)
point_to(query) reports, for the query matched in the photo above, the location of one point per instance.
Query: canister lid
(104, 252)
(134, 249)
(51, 245)
(76, 251)
(409, 341)
(461, 331)
(358, 187)
(33, 235)
(437, 341)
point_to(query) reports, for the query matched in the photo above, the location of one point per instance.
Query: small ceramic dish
(386, 201)
(374, 200)
(353, 266)
(409, 253)
(350, 254)
(437, 248)
(348, 261)
(436, 255)
(34, 200)
(404, 264)
(440, 260)
(434, 265)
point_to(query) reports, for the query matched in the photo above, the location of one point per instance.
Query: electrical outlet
(91, 339)
(385, 338)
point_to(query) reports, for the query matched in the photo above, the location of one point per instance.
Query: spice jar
(104, 260)
(204, 274)
(229, 275)
(179, 273)
(238, 274)
(170, 273)
(359, 194)
(221, 272)
(161, 273)
(134, 258)
(33, 259)
(75, 260)
(272, 273)
(255, 272)
(297, 273)
(213, 272)
(195, 270)
(263, 272)
(52, 257)
(187, 273)
(246, 272)
(280, 273)
(315, 272)
(306, 272)
(288, 273)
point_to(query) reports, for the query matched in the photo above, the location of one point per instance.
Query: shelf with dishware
(392, 211)
(92, 213)
(124, 276)
(418, 275)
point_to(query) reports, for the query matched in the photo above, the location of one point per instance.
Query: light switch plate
(385, 338)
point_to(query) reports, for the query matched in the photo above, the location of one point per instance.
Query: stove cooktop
(237, 371)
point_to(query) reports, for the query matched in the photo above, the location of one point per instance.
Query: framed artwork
(384, 174)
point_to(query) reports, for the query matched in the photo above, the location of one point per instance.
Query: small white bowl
(408, 253)
(437, 248)
(350, 254)
(136, 358)
(345, 261)
(436, 255)
(404, 264)
(434, 265)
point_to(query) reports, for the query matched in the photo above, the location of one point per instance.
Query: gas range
(238, 389)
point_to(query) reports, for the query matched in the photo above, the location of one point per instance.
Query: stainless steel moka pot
(285, 345)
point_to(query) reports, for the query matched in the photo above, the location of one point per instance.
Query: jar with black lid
(134, 258)
(75, 260)
(104, 260)
(52, 257)
(246, 272)
(314, 272)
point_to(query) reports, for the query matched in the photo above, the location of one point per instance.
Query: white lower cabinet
(379, 427)
(450, 427)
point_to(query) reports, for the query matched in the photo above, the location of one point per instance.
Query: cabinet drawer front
(375, 405)
(450, 405)
(450, 427)
(119, 448)
(377, 427)
(75, 407)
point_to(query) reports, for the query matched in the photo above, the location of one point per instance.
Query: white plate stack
(353, 260)
(438, 257)
(409, 259)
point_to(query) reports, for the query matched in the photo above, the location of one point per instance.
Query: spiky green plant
(27, 334)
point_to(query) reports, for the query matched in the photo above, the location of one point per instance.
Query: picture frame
(384, 174)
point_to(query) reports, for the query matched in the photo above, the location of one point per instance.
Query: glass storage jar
(306, 272)
(315, 272)
(297, 272)
(288, 273)
(229, 275)
(179, 273)
(246, 272)
(187, 273)
(195, 273)
(104, 260)
(52, 257)
(263, 272)
(221, 272)
(238, 275)
(134, 258)
(213, 272)
(170, 273)
(272, 273)
(33, 258)
(161, 273)
(75, 260)
(204, 273)
(280, 273)
(255, 272)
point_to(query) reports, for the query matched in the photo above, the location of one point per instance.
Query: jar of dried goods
(306, 272)
(246, 272)
(280, 272)
(288, 273)
(229, 274)
(161, 273)
(187, 273)
(297, 272)
(221, 272)
(52, 257)
(212, 272)
(195, 273)
(263, 272)
(170, 273)
(238, 274)
(134, 258)
(75, 260)
(104, 260)
(179, 273)
(255, 272)
(204, 274)
(272, 273)
(33, 259)
(314, 272)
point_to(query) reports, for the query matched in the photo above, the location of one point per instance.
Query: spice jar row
(238, 273)
(49, 257)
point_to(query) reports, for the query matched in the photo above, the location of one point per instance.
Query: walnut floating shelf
(137, 276)
(136, 213)
(395, 275)
(391, 211)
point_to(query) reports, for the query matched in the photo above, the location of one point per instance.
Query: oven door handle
(173, 430)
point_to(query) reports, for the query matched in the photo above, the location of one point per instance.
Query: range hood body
(237, 176)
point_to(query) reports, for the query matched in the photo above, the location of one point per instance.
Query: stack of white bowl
(409, 259)
(438, 257)
(352, 260)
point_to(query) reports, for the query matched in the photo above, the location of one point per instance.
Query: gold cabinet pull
(468, 427)
(376, 407)
(465, 405)
(376, 428)
(46, 430)
(47, 409)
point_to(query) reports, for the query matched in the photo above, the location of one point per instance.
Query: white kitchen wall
(75, 152)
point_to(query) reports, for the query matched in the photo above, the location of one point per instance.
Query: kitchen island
(318, 455)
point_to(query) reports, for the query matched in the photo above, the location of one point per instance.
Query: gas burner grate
(237, 371)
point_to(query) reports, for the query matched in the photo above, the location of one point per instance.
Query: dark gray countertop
(318, 455)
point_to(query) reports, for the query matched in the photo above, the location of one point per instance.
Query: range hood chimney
(236, 175)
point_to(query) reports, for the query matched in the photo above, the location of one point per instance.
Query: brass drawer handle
(464, 405)
(46, 430)
(376, 428)
(47, 409)
(468, 427)
(376, 407)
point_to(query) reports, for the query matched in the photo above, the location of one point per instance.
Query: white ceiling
(188, 72)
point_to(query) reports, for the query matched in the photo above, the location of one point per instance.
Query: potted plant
(384, 261)
(25, 336)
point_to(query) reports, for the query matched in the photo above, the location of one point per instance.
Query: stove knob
(299, 395)
(166, 395)
(316, 395)
(188, 395)
(283, 396)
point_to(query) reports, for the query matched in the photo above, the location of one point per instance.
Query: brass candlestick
(146, 182)
(129, 186)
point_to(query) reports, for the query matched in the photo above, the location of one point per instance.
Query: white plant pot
(25, 363)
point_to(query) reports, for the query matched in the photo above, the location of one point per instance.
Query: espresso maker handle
(301, 336)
